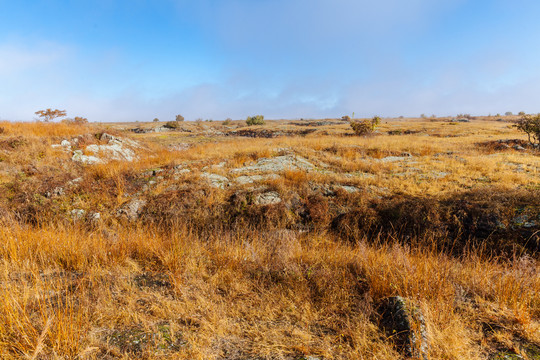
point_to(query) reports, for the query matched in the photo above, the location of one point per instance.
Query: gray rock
(277, 164)
(85, 159)
(216, 181)
(394, 158)
(518, 147)
(57, 191)
(250, 179)
(132, 209)
(65, 143)
(404, 323)
(348, 188)
(77, 214)
(525, 221)
(113, 152)
(267, 198)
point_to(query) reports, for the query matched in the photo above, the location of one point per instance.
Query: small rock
(348, 188)
(525, 221)
(85, 159)
(250, 179)
(405, 324)
(395, 158)
(132, 209)
(268, 198)
(57, 191)
(518, 147)
(65, 143)
(216, 181)
(77, 214)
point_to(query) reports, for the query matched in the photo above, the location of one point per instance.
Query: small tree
(49, 114)
(155, 120)
(179, 117)
(521, 113)
(228, 121)
(530, 124)
(346, 118)
(508, 113)
(255, 120)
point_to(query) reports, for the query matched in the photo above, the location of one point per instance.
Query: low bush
(255, 120)
(172, 125)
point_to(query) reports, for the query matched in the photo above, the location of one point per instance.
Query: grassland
(267, 242)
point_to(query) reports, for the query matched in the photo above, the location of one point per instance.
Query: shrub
(255, 120)
(179, 117)
(521, 113)
(346, 118)
(508, 113)
(172, 125)
(530, 124)
(363, 127)
(366, 126)
(77, 120)
(49, 114)
(155, 120)
(227, 122)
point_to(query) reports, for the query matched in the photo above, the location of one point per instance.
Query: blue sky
(129, 60)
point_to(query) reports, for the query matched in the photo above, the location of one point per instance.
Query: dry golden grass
(196, 287)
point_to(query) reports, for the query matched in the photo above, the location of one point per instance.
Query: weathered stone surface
(215, 180)
(57, 191)
(132, 209)
(348, 188)
(277, 164)
(267, 198)
(250, 179)
(113, 152)
(85, 159)
(396, 158)
(77, 214)
(404, 324)
(65, 143)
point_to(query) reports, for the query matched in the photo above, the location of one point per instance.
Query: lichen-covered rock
(250, 179)
(113, 152)
(267, 198)
(132, 209)
(277, 164)
(217, 181)
(404, 324)
(85, 159)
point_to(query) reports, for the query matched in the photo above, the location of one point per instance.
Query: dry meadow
(212, 241)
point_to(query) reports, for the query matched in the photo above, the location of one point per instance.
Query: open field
(281, 241)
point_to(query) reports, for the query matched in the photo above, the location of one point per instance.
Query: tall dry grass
(67, 292)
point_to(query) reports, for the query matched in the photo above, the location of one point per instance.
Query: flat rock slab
(277, 164)
(217, 181)
(268, 198)
(250, 179)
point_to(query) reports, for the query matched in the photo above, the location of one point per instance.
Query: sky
(135, 60)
